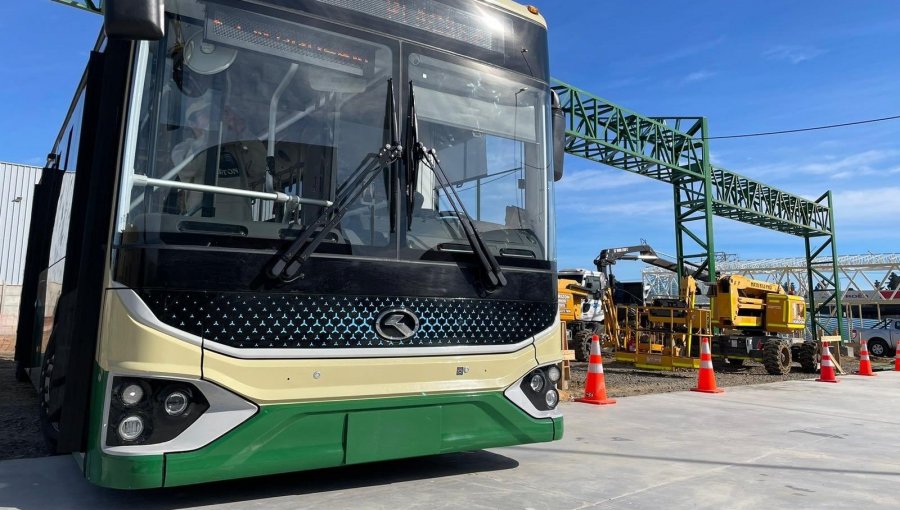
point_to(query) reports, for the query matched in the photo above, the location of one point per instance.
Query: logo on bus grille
(396, 324)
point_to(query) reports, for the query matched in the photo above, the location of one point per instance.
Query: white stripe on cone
(706, 364)
(595, 368)
(704, 347)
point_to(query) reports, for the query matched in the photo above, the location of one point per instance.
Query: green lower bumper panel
(295, 437)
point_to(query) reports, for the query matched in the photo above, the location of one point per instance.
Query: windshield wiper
(288, 263)
(416, 152)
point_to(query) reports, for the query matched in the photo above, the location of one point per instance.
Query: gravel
(623, 380)
(20, 427)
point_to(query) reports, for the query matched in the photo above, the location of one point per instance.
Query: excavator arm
(646, 254)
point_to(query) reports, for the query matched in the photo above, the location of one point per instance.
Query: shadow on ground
(25, 494)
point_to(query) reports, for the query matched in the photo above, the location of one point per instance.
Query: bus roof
(520, 9)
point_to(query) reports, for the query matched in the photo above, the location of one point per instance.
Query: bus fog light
(552, 398)
(132, 394)
(131, 428)
(537, 382)
(554, 374)
(176, 403)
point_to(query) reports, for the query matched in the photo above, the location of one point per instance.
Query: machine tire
(809, 357)
(777, 357)
(878, 347)
(583, 345)
(735, 362)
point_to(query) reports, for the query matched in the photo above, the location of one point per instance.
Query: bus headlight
(554, 374)
(552, 398)
(130, 428)
(537, 390)
(132, 394)
(537, 382)
(150, 410)
(176, 403)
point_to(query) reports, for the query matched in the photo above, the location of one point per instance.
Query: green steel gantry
(675, 150)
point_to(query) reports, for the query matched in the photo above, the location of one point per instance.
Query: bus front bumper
(282, 438)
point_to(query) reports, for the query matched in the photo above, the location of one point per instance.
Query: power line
(816, 128)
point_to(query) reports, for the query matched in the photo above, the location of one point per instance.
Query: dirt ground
(623, 380)
(20, 430)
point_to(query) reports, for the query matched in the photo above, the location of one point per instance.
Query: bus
(283, 235)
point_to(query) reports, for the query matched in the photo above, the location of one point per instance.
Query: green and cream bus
(280, 235)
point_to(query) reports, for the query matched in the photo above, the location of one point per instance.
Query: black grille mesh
(311, 321)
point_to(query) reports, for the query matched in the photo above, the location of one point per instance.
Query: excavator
(663, 334)
(747, 319)
(586, 297)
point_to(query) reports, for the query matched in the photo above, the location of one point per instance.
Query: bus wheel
(50, 409)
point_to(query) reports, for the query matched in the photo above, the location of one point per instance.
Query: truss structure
(95, 6)
(675, 150)
(865, 280)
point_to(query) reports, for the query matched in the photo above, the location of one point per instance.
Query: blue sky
(747, 65)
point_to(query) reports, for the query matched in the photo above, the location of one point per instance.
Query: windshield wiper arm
(417, 152)
(287, 263)
(275, 196)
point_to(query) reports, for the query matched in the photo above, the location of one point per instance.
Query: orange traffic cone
(827, 374)
(595, 386)
(865, 365)
(897, 359)
(706, 378)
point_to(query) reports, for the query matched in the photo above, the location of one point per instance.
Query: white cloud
(793, 53)
(599, 208)
(868, 207)
(869, 162)
(596, 179)
(698, 76)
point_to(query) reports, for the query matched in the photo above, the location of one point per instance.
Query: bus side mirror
(134, 20)
(559, 135)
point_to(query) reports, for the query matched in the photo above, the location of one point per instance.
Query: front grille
(255, 320)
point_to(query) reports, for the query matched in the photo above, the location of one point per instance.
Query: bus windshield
(234, 108)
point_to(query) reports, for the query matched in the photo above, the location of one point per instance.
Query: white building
(16, 194)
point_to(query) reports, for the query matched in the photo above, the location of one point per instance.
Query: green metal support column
(694, 216)
(828, 273)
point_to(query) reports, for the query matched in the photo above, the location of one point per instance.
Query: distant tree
(893, 281)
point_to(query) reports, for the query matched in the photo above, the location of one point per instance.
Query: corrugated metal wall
(16, 193)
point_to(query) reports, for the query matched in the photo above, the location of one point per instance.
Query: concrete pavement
(797, 444)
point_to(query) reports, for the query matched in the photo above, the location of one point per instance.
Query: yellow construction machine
(664, 334)
(572, 297)
(747, 319)
(759, 320)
